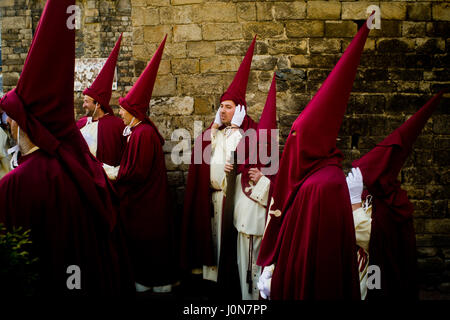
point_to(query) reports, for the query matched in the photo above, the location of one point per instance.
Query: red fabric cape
(110, 139)
(41, 195)
(145, 209)
(315, 248)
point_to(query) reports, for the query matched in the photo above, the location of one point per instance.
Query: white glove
(217, 119)
(355, 185)
(265, 281)
(239, 115)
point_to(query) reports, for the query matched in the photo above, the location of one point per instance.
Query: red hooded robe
(110, 140)
(143, 188)
(392, 245)
(60, 191)
(310, 235)
(196, 234)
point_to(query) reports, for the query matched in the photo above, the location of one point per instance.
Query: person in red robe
(59, 190)
(100, 128)
(143, 188)
(392, 244)
(309, 241)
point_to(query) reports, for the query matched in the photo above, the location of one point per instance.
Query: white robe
(90, 134)
(249, 220)
(249, 215)
(4, 158)
(362, 218)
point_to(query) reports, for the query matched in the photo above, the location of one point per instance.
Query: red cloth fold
(145, 207)
(110, 140)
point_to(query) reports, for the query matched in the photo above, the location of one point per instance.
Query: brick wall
(403, 64)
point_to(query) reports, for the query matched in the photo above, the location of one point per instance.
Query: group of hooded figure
(95, 192)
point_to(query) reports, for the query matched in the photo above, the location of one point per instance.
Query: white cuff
(260, 191)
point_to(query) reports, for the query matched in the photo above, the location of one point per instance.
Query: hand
(264, 282)
(239, 115)
(217, 120)
(228, 167)
(255, 174)
(355, 185)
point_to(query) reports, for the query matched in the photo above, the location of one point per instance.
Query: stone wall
(403, 64)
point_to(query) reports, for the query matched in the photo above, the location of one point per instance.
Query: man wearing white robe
(249, 215)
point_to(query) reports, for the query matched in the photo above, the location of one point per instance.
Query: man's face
(13, 127)
(227, 109)
(126, 116)
(89, 106)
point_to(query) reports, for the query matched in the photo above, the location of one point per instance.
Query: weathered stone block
(289, 10)
(430, 46)
(13, 23)
(246, 11)
(185, 66)
(157, 3)
(157, 33)
(340, 29)
(189, 32)
(437, 226)
(172, 106)
(264, 11)
(264, 62)
(174, 50)
(393, 10)
(324, 45)
(395, 45)
(203, 105)
(305, 29)
(323, 10)
(219, 64)
(10, 78)
(222, 31)
(202, 84)
(165, 85)
(176, 15)
(355, 10)
(413, 29)
(6, 3)
(264, 30)
(200, 49)
(389, 28)
(181, 2)
(215, 12)
(295, 47)
(441, 11)
(419, 11)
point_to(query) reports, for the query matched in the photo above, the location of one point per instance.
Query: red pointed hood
(268, 119)
(42, 102)
(380, 166)
(261, 149)
(101, 89)
(238, 87)
(137, 101)
(311, 143)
